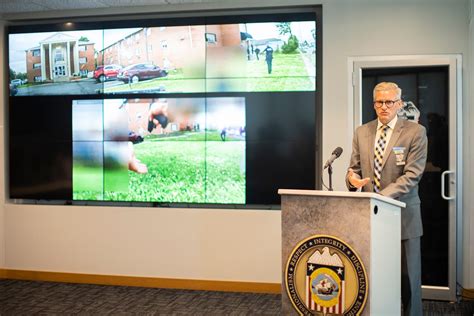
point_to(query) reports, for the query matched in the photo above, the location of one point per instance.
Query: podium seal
(324, 275)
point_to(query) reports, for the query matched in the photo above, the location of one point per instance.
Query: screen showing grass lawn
(180, 150)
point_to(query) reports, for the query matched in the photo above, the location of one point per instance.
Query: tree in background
(284, 28)
(21, 75)
(292, 44)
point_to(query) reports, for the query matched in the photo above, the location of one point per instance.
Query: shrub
(291, 46)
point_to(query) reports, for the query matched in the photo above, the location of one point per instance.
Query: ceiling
(25, 6)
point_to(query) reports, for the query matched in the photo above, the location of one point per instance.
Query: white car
(16, 82)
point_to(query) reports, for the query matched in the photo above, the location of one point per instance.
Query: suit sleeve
(355, 160)
(414, 167)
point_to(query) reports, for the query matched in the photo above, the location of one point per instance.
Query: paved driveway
(83, 86)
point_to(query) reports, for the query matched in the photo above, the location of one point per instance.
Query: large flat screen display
(207, 110)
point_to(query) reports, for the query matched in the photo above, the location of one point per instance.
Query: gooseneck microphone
(335, 154)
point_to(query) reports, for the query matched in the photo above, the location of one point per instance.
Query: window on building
(58, 55)
(37, 66)
(36, 52)
(38, 79)
(211, 38)
(82, 60)
(164, 44)
(82, 48)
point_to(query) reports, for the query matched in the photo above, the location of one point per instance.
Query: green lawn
(87, 182)
(283, 65)
(288, 74)
(225, 172)
(178, 171)
(193, 136)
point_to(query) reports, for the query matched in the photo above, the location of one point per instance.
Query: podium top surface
(342, 194)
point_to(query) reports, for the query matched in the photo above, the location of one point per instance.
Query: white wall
(232, 244)
(468, 227)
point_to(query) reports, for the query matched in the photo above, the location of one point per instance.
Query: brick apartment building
(59, 58)
(170, 47)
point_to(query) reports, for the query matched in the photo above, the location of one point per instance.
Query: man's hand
(158, 114)
(355, 180)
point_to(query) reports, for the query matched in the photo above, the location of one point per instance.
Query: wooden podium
(340, 253)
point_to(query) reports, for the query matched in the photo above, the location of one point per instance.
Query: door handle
(443, 176)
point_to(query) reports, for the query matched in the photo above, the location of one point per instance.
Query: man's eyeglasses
(388, 103)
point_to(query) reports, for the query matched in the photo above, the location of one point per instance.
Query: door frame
(454, 62)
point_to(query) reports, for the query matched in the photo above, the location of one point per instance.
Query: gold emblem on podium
(324, 276)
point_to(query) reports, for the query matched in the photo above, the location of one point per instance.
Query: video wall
(217, 110)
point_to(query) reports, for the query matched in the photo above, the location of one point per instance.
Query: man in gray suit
(389, 157)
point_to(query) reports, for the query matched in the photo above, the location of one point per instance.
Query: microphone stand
(330, 177)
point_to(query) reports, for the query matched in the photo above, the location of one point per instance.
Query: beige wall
(171, 243)
(241, 244)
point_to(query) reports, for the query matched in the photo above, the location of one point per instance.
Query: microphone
(335, 154)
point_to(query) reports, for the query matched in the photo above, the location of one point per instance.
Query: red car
(107, 72)
(137, 72)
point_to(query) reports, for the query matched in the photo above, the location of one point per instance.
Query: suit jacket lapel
(371, 131)
(397, 131)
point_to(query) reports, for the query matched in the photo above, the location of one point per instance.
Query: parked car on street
(16, 82)
(107, 72)
(137, 72)
(13, 89)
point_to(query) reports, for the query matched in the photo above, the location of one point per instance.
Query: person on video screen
(268, 58)
(223, 134)
(158, 114)
(134, 164)
(257, 52)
